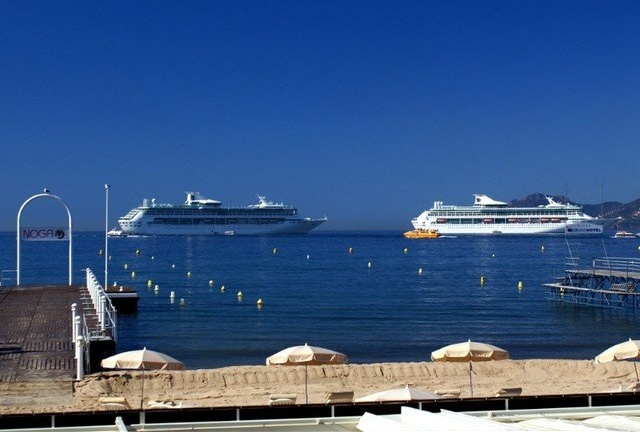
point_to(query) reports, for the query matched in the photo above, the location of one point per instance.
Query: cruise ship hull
(490, 217)
(302, 226)
(203, 216)
(576, 229)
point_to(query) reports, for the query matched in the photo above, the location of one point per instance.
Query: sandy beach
(252, 385)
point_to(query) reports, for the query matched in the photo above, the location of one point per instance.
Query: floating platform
(604, 282)
(124, 298)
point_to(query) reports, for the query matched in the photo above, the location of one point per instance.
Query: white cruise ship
(488, 216)
(200, 215)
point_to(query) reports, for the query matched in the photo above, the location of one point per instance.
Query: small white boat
(624, 234)
(115, 232)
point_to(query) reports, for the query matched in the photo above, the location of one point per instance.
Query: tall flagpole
(106, 235)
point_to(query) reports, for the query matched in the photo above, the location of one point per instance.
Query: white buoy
(420, 271)
(275, 250)
(173, 266)
(307, 256)
(172, 295)
(222, 288)
(188, 274)
(101, 252)
(149, 283)
(406, 250)
(182, 302)
(520, 285)
(156, 289)
(211, 282)
(369, 264)
(350, 250)
(133, 274)
(240, 295)
(259, 302)
(137, 251)
(152, 257)
(126, 266)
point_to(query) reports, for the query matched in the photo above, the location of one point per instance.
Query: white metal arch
(46, 194)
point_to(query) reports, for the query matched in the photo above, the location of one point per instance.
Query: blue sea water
(315, 291)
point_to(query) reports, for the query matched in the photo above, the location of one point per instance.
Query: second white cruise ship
(488, 216)
(200, 215)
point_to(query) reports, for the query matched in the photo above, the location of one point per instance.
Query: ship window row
(474, 221)
(215, 221)
(221, 212)
(511, 212)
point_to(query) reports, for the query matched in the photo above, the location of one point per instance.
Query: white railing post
(76, 331)
(79, 358)
(103, 311)
(73, 322)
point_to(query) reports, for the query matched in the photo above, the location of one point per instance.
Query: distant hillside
(621, 216)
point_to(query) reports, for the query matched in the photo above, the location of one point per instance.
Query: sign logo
(44, 234)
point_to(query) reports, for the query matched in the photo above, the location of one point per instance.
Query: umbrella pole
(635, 366)
(306, 393)
(470, 381)
(142, 397)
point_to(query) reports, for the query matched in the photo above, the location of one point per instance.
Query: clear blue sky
(364, 111)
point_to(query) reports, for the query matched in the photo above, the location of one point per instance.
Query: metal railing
(107, 315)
(626, 265)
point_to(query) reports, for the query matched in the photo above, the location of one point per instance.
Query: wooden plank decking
(35, 332)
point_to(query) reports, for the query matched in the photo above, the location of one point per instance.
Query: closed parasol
(405, 393)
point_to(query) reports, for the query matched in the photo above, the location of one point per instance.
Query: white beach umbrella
(628, 350)
(142, 359)
(306, 355)
(405, 393)
(469, 352)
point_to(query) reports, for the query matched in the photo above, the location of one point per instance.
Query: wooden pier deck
(36, 332)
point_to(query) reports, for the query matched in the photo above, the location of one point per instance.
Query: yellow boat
(422, 233)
